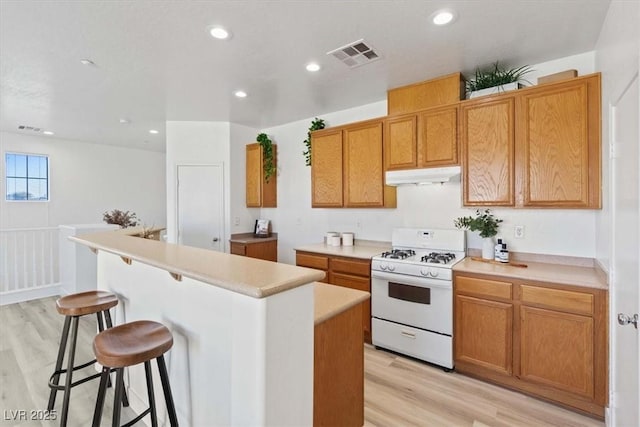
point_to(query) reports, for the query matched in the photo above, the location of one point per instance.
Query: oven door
(414, 301)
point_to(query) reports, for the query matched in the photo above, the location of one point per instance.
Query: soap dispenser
(497, 250)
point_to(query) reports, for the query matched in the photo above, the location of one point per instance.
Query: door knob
(623, 319)
(215, 239)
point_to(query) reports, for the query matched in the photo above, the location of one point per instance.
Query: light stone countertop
(248, 238)
(587, 277)
(332, 300)
(362, 249)
(253, 277)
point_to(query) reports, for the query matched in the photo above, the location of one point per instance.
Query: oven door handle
(422, 282)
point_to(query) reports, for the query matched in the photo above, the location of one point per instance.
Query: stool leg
(67, 389)
(107, 319)
(102, 391)
(152, 399)
(56, 377)
(166, 388)
(118, 397)
(100, 324)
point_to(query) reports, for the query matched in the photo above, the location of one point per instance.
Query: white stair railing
(28, 259)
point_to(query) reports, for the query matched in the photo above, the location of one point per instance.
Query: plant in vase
(493, 80)
(486, 224)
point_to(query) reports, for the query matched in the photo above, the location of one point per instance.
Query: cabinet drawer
(312, 261)
(348, 281)
(351, 266)
(484, 287)
(238, 249)
(576, 302)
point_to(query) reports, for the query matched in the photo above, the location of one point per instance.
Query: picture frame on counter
(262, 228)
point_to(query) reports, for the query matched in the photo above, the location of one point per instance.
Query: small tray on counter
(490, 261)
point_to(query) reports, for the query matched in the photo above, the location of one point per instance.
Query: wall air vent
(356, 54)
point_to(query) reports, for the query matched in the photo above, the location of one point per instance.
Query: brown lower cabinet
(547, 340)
(267, 250)
(354, 273)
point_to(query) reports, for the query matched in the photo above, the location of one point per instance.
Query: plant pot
(494, 89)
(488, 247)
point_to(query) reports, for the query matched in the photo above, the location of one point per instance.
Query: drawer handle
(408, 335)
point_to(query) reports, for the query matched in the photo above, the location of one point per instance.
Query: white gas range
(412, 293)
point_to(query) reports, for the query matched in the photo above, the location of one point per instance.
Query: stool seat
(84, 303)
(132, 343)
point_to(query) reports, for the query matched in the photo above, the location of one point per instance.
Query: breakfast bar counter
(243, 328)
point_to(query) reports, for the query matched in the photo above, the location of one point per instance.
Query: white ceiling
(155, 61)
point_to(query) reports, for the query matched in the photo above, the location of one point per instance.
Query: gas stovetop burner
(438, 258)
(398, 254)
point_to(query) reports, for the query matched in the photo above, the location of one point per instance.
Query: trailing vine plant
(267, 151)
(316, 124)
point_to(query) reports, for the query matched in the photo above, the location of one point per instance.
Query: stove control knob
(392, 268)
(424, 273)
(433, 273)
(383, 267)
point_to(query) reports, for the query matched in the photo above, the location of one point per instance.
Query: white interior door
(201, 206)
(625, 297)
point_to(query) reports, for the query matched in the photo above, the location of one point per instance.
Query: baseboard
(21, 295)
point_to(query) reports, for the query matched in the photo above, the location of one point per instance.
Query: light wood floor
(398, 391)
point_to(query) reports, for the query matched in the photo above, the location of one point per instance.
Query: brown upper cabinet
(431, 93)
(537, 147)
(347, 167)
(428, 138)
(259, 192)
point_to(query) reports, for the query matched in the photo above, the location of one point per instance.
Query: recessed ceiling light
(47, 132)
(125, 121)
(219, 33)
(87, 62)
(153, 131)
(240, 94)
(312, 66)
(443, 17)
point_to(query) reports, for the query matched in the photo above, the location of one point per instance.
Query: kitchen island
(243, 348)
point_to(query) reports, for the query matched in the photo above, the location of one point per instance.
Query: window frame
(6, 176)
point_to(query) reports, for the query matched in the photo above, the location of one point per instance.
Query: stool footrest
(138, 418)
(75, 368)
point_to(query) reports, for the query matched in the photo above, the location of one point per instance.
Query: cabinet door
(556, 349)
(363, 171)
(326, 169)
(438, 137)
(400, 143)
(487, 137)
(263, 250)
(254, 175)
(558, 146)
(238, 248)
(361, 284)
(483, 333)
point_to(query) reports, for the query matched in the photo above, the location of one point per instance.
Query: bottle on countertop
(504, 254)
(498, 248)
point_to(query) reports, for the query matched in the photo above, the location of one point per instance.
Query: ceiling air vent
(355, 54)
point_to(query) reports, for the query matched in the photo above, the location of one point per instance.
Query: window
(27, 177)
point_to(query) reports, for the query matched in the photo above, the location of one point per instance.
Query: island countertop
(252, 277)
(330, 300)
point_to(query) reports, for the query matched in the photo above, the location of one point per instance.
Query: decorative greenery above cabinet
(259, 192)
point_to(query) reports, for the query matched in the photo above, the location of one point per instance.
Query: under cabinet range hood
(421, 176)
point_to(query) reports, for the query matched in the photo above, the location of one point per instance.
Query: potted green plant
(496, 79)
(267, 153)
(316, 124)
(486, 224)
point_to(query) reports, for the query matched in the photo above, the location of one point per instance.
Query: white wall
(563, 232)
(85, 181)
(199, 143)
(617, 56)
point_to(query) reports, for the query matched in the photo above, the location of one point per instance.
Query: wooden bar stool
(73, 307)
(127, 345)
